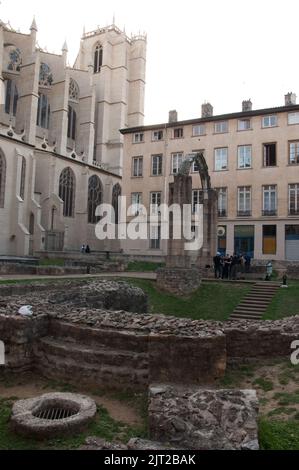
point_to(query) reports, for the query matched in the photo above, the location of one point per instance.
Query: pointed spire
(64, 47)
(33, 26)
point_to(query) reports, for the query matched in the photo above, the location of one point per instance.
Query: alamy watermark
(295, 354)
(164, 222)
(2, 353)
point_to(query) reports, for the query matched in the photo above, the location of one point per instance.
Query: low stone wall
(178, 281)
(19, 336)
(11, 268)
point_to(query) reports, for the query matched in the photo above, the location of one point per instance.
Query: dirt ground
(276, 383)
(31, 386)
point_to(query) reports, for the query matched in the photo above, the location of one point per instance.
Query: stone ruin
(183, 272)
(141, 351)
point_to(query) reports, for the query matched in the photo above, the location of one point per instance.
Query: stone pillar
(59, 115)
(210, 221)
(28, 98)
(180, 193)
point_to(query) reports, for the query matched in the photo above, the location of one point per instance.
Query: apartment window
(155, 237)
(221, 127)
(137, 166)
(294, 199)
(244, 201)
(269, 154)
(269, 121)
(155, 199)
(178, 133)
(157, 135)
(293, 118)
(136, 201)
(269, 239)
(138, 137)
(195, 200)
(294, 152)
(221, 159)
(244, 156)
(199, 129)
(157, 165)
(269, 200)
(244, 124)
(222, 202)
(177, 159)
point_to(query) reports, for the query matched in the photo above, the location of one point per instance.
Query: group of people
(227, 267)
(85, 249)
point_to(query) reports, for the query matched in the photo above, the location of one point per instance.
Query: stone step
(90, 354)
(104, 376)
(248, 312)
(255, 301)
(256, 308)
(266, 297)
(244, 317)
(73, 362)
(111, 338)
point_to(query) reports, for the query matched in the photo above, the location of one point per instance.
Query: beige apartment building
(61, 152)
(253, 160)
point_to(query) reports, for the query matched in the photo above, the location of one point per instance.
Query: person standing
(217, 265)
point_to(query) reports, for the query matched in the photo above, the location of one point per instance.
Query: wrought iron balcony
(244, 213)
(269, 212)
(293, 211)
(222, 213)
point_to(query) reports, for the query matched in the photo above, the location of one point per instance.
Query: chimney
(290, 98)
(173, 116)
(246, 105)
(206, 110)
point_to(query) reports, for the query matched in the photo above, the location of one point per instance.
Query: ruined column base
(179, 281)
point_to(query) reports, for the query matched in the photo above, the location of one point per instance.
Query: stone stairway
(88, 356)
(256, 302)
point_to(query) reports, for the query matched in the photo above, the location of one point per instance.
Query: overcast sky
(222, 51)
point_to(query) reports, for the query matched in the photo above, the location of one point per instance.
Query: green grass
(103, 427)
(282, 411)
(278, 435)
(143, 266)
(265, 385)
(235, 375)
(286, 399)
(285, 303)
(212, 301)
(51, 262)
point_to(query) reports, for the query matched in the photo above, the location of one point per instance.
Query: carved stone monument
(182, 275)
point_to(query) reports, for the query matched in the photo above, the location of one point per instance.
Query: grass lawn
(212, 301)
(277, 386)
(51, 262)
(285, 303)
(143, 266)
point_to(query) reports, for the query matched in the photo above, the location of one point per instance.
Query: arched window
(98, 58)
(13, 58)
(116, 193)
(2, 178)
(43, 112)
(45, 75)
(95, 198)
(74, 91)
(67, 189)
(72, 123)
(11, 97)
(23, 178)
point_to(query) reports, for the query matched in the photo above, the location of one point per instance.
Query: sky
(221, 51)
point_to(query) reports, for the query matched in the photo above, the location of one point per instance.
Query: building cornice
(220, 117)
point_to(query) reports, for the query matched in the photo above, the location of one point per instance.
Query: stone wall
(178, 281)
(19, 336)
(200, 419)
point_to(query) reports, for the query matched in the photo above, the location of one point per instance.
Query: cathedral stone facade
(61, 151)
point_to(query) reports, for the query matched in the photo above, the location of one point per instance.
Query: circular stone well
(52, 415)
